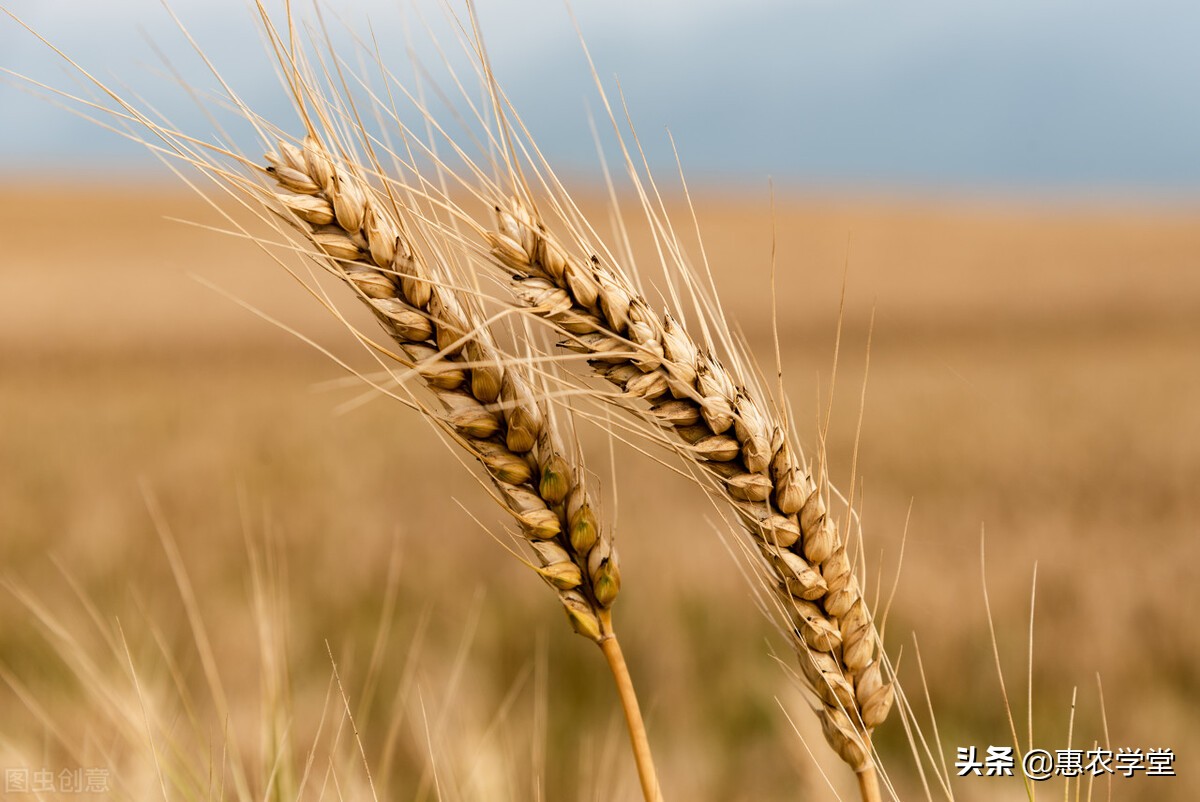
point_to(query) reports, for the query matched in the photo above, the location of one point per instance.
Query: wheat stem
(633, 714)
(868, 784)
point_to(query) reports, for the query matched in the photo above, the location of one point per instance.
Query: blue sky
(1101, 96)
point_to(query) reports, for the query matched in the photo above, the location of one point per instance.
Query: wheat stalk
(488, 402)
(739, 443)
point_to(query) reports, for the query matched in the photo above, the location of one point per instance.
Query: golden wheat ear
(739, 443)
(488, 403)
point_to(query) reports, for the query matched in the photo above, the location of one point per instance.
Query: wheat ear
(488, 405)
(735, 439)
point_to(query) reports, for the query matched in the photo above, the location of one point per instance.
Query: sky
(1076, 96)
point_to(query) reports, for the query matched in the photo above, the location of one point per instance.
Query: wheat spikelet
(736, 439)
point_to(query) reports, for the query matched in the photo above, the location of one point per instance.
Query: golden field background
(1034, 369)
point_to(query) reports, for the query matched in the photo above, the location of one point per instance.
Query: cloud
(1022, 93)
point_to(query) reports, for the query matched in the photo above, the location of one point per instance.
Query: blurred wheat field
(1034, 369)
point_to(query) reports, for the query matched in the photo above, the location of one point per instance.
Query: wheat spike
(488, 403)
(733, 436)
